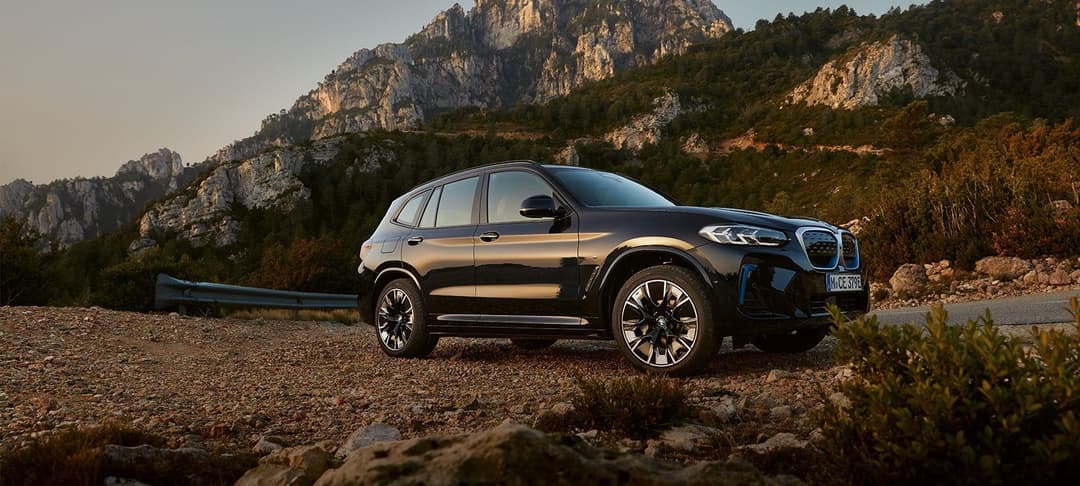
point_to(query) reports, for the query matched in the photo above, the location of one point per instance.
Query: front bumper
(759, 291)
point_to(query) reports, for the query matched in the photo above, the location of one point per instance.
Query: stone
(562, 408)
(1059, 278)
(777, 375)
(1075, 276)
(726, 409)
(783, 440)
(780, 413)
(528, 456)
(686, 438)
(264, 446)
(1007, 267)
(910, 279)
(366, 436)
(301, 465)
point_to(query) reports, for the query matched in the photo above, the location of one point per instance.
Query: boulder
(301, 465)
(910, 279)
(365, 436)
(156, 465)
(1003, 267)
(513, 454)
(1060, 278)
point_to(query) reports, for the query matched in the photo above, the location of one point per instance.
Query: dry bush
(69, 457)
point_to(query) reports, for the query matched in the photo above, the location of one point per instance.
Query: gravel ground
(223, 383)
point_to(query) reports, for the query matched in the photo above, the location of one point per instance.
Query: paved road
(1029, 309)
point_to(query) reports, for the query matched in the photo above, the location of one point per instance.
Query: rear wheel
(401, 321)
(533, 344)
(662, 321)
(791, 342)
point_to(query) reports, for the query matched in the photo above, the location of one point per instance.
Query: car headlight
(741, 234)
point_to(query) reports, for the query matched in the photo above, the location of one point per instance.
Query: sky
(88, 85)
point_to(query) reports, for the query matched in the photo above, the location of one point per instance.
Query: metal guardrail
(171, 291)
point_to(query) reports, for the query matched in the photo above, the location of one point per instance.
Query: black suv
(536, 253)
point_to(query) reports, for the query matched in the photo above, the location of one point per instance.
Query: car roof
(481, 168)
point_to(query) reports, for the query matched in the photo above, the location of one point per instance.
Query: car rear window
(456, 203)
(410, 211)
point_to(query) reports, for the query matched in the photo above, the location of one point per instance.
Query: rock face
(71, 210)
(875, 70)
(495, 55)
(515, 454)
(646, 129)
(203, 213)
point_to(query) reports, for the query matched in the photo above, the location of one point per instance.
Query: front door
(526, 269)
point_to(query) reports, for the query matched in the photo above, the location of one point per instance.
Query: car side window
(428, 220)
(456, 203)
(410, 211)
(508, 189)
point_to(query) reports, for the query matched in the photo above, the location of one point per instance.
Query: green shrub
(955, 404)
(636, 407)
(130, 285)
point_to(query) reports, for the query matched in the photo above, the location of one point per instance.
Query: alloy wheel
(659, 323)
(395, 319)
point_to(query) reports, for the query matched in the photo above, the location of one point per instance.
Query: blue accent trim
(746, 271)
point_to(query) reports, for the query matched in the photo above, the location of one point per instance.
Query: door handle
(489, 236)
(415, 240)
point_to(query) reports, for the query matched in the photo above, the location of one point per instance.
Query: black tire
(798, 341)
(532, 344)
(401, 324)
(661, 338)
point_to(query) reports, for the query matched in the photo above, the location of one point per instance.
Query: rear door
(440, 248)
(526, 269)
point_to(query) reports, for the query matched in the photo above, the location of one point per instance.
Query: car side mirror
(540, 207)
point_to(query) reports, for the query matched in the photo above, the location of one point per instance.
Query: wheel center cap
(662, 322)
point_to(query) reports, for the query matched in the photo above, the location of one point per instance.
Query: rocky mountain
(202, 213)
(71, 210)
(495, 55)
(871, 71)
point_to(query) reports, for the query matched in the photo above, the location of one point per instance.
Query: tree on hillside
(21, 266)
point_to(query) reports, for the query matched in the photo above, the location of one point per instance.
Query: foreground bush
(70, 457)
(955, 404)
(635, 407)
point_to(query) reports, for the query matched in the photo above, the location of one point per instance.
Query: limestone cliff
(71, 210)
(496, 54)
(203, 212)
(871, 71)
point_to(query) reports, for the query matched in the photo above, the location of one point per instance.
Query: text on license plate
(844, 282)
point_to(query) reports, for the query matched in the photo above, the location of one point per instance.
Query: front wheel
(401, 321)
(792, 342)
(662, 321)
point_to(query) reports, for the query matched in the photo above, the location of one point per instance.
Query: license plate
(844, 282)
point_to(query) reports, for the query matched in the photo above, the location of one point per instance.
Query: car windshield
(602, 189)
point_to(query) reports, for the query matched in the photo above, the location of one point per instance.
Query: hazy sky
(88, 85)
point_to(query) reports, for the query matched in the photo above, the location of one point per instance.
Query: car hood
(743, 216)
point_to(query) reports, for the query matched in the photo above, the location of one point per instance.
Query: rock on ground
(513, 454)
(1008, 267)
(365, 436)
(909, 278)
